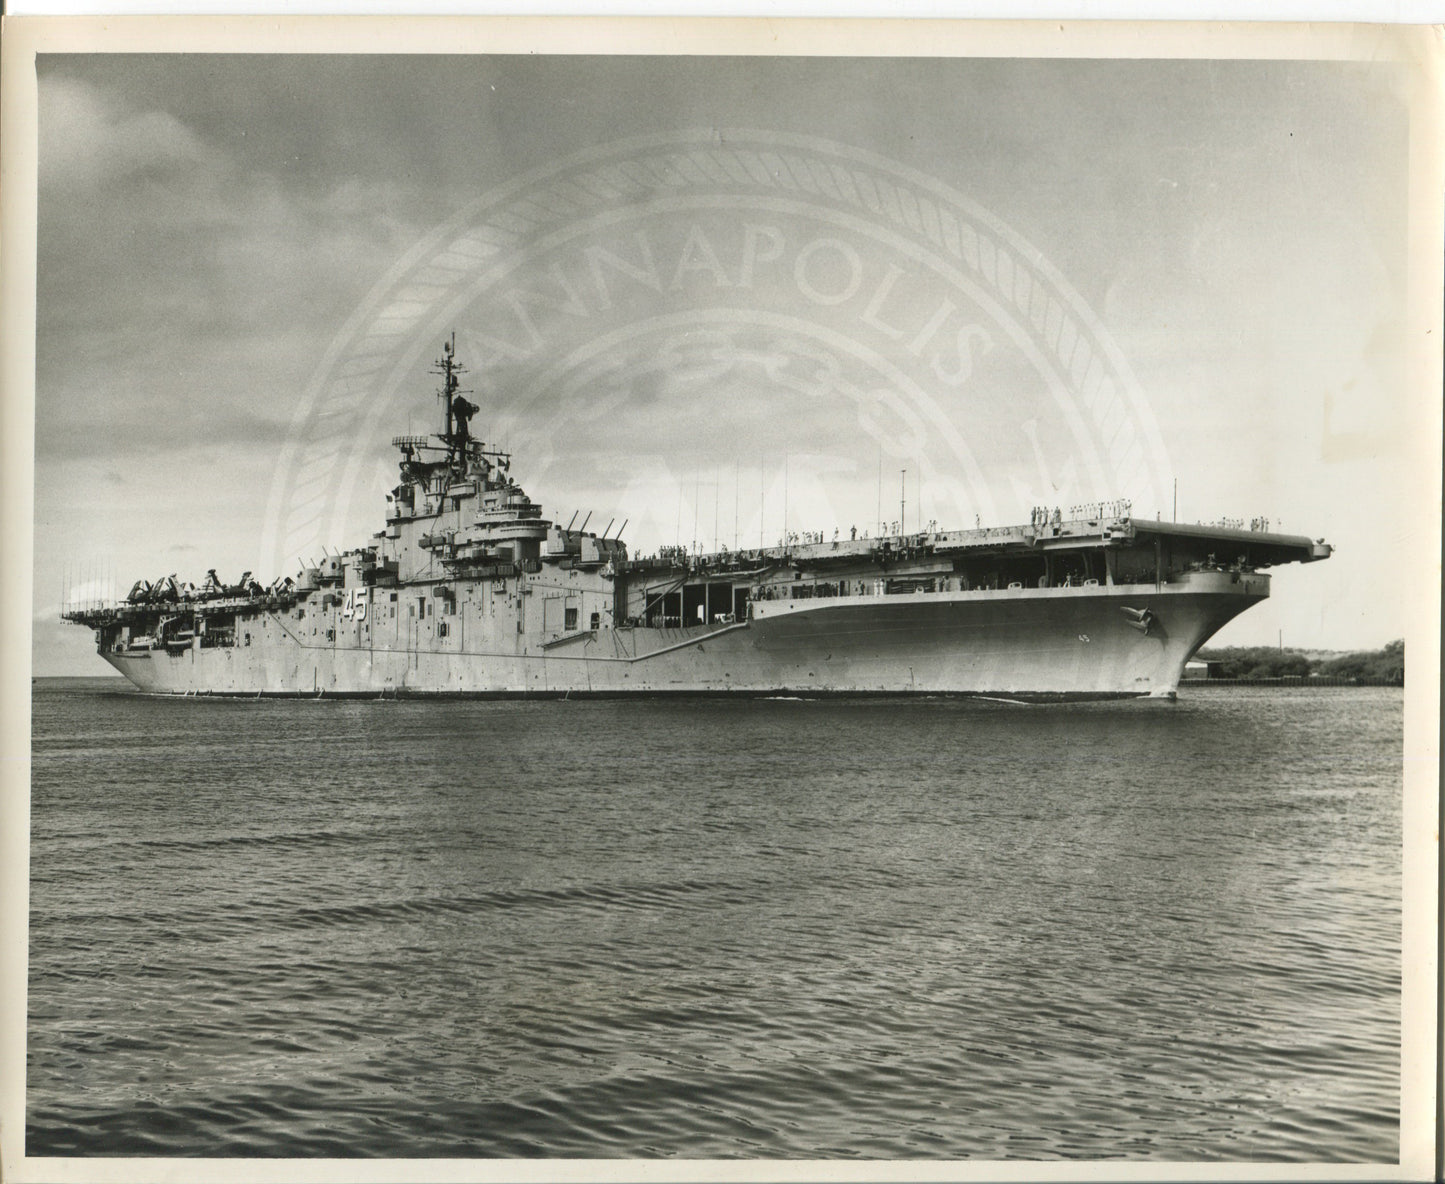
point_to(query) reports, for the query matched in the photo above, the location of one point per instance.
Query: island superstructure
(469, 590)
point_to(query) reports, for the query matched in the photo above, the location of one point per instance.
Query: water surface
(704, 929)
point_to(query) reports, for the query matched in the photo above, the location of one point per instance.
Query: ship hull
(1054, 643)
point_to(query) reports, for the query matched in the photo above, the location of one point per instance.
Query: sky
(720, 298)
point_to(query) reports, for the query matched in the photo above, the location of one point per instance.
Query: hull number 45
(356, 604)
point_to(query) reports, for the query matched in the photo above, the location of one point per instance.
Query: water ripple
(841, 929)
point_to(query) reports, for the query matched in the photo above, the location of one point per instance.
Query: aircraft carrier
(469, 591)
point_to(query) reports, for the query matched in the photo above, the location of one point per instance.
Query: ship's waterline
(468, 590)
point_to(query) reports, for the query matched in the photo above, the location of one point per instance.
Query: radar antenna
(458, 410)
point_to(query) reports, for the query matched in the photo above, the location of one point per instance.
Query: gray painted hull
(1020, 643)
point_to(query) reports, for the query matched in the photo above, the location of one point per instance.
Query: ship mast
(449, 368)
(458, 410)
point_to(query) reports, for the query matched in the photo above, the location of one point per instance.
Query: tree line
(1382, 665)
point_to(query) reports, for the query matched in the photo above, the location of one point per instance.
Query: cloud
(163, 427)
(86, 139)
(186, 292)
(59, 649)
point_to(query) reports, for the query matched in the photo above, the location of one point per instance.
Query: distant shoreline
(1265, 665)
(1319, 680)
